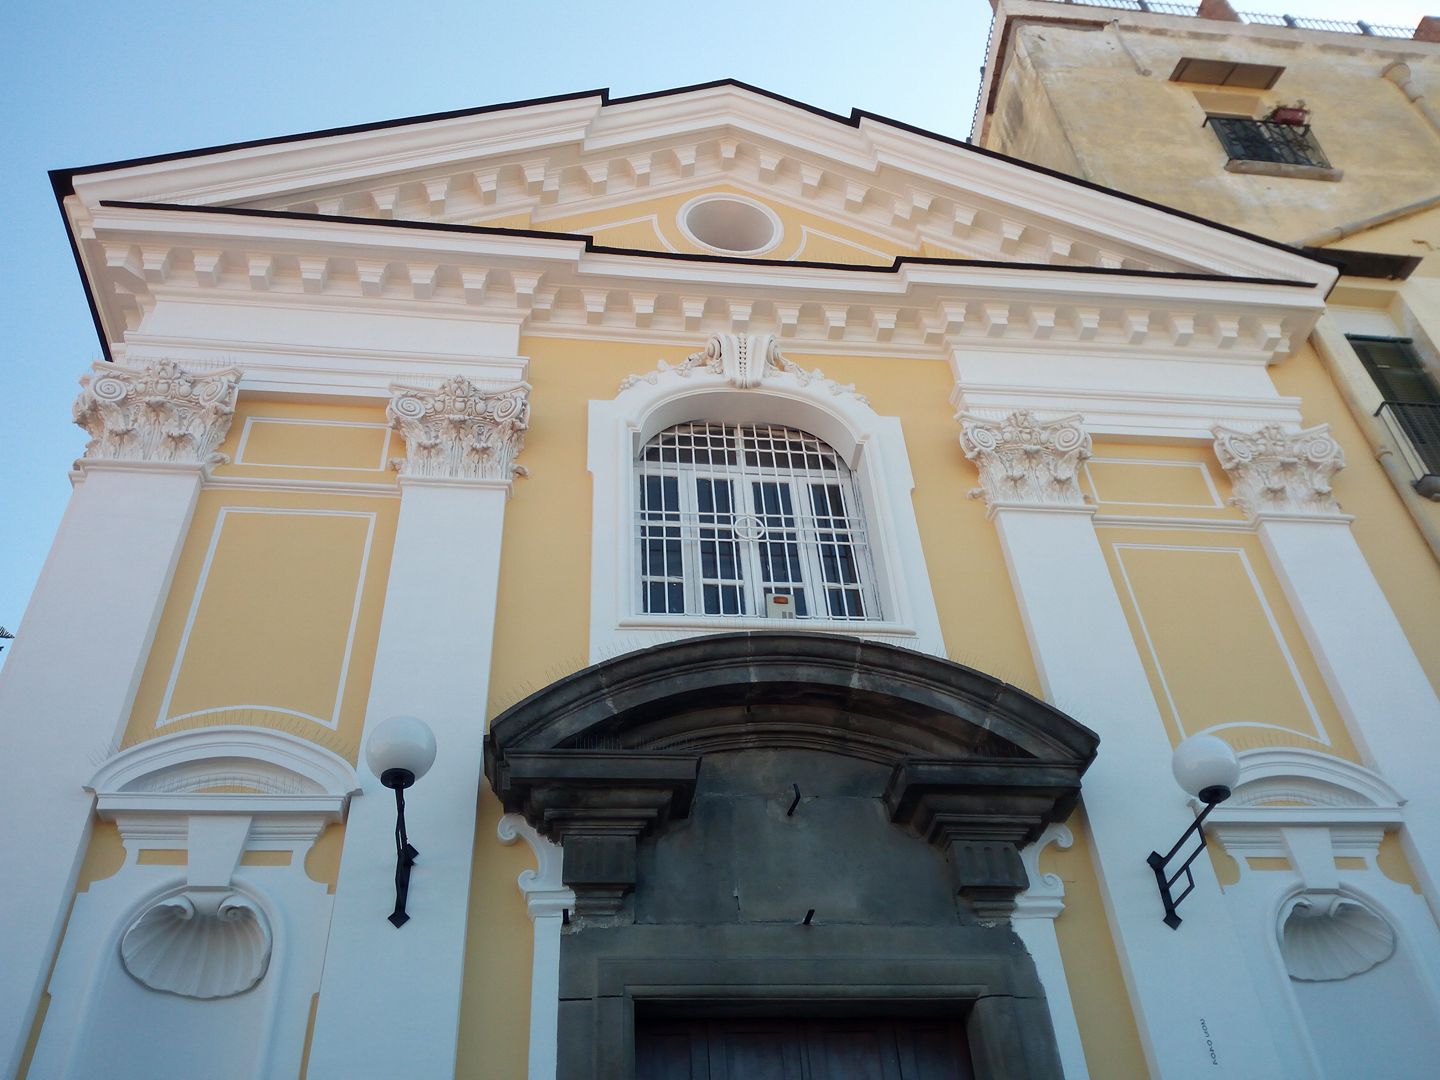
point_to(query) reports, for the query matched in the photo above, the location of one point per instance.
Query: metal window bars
(750, 521)
(1266, 140)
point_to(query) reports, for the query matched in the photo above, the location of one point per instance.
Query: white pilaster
(1183, 984)
(1036, 910)
(1283, 480)
(546, 901)
(67, 688)
(390, 998)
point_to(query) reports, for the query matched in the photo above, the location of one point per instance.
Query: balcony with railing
(1256, 18)
(1415, 427)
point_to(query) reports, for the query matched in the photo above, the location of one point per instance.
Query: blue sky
(93, 82)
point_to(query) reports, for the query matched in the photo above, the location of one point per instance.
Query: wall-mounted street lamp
(400, 751)
(1206, 767)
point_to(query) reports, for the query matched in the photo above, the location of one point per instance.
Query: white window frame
(871, 445)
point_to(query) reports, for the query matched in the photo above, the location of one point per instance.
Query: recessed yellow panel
(316, 444)
(1140, 483)
(272, 624)
(1214, 640)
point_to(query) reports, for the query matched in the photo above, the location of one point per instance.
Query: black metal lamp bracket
(1211, 797)
(405, 855)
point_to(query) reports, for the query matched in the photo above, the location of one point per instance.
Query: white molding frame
(1322, 736)
(777, 227)
(163, 720)
(1216, 502)
(134, 780)
(250, 421)
(873, 446)
(653, 220)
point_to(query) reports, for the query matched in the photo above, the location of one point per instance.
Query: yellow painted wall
(1218, 639)
(283, 571)
(961, 549)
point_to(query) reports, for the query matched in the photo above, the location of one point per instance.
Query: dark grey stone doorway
(773, 826)
(780, 1048)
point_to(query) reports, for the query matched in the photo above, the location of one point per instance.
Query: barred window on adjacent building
(750, 521)
(1268, 141)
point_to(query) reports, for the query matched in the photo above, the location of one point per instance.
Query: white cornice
(870, 173)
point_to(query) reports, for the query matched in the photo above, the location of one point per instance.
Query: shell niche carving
(198, 944)
(1325, 938)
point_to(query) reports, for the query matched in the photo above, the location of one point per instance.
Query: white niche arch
(1344, 947)
(740, 379)
(210, 937)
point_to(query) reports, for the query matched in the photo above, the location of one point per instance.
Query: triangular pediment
(860, 189)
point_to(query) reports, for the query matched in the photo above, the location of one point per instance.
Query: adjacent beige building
(1316, 133)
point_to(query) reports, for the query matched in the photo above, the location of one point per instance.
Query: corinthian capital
(159, 412)
(1025, 460)
(460, 431)
(1274, 471)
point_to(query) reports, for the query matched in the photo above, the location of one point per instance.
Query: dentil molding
(1274, 471)
(159, 412)
(1026, 461)
(745, 361)
(460, 431)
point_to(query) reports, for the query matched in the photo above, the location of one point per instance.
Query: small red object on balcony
(1290, 114)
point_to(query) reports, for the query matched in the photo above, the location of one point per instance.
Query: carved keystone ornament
(160, 412)
(1281, 472)
(1026, 461)
(460, 431)
(744, 361)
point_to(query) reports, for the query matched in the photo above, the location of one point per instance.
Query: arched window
(750, 520)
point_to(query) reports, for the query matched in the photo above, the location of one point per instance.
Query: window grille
(730, 515)
(1265, 140)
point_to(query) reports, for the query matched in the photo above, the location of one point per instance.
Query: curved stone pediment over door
(795, 828)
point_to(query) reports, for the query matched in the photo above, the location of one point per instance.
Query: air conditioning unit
(780, 607)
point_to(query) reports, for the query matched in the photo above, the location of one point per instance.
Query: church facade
(806, 540)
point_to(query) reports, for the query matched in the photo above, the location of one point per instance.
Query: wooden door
(782, 1049)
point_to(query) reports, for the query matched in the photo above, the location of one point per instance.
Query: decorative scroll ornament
(1025, 460)
(460, 431)
(543, 888)
(159, 412)
(745, 361)
(1275, 471)
(1044, 897)
(202, 943)
(1325, 938)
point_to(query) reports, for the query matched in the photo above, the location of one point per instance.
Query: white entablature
(576, 154)
(144, 260)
